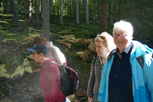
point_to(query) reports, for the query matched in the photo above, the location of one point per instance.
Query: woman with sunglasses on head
(127, 74)
(104, 45)
(54, 53)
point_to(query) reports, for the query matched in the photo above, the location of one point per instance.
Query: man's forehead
(34, 52)
(118, 32)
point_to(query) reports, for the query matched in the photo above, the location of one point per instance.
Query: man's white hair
(124, 27)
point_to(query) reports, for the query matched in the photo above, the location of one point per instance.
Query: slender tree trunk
(53, 9)
(41, 8)
(87, 13)
(70, 9)
(37, 21)
(25, 7)
(74, 9)
(58, 9)
(111, 14)
(50, 7)
(77, 12)
(30, 8)
(93, 16)
(61, 11)
(103, 15)
(46, 20)
(15, 12)
(84, 9)
(8, 7)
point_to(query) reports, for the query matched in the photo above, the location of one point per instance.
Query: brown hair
(39, 40)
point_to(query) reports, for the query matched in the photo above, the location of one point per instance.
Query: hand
(90, 99)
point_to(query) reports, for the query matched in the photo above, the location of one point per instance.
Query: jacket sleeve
(148, 72)
(91, 80)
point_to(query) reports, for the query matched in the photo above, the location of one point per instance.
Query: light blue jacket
(142, 78)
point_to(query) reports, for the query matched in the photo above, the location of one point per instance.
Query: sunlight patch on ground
(3, 22)
(11, 15)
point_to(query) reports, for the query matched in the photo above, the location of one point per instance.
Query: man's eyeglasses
(119, 35)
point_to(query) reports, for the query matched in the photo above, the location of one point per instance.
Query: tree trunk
(37, 21)
(15, 12)
(61, 12)
(30, 8)
(53, 9)
(87, 13)
(102, 15)
(46, 19)
(50, 7)
(70, 9)
(41, 8)
(77, 12)
(8, 7)
(25, 7)
(58, 8)
(93, 16)
(111, 14)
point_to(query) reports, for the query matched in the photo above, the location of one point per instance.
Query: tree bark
(37, 17)
(111, 14)
(8, 7)
(50, 7)
(25, 7)
(15, 12)
(93, 16)
(30, 8)
(46, 19)
(87, 13)
(61, 12)
(102, 15)
(77, 12)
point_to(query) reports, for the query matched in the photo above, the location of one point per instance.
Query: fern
(18, 71)
(83, 54)
(3, 71)
(88, 43)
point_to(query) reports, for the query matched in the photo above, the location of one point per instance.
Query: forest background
(71, 25)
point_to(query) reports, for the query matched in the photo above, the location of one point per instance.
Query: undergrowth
(76, 39)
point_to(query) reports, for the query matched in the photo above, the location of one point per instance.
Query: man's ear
(41, 55)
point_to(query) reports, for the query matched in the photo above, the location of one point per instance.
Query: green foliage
(3, 71)
(18, 71)
(86, 67)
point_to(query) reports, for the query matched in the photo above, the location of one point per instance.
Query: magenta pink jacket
(50, 81)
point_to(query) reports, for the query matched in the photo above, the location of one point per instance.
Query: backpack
(69, 80)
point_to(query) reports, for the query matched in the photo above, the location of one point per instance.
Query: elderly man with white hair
(127, 74)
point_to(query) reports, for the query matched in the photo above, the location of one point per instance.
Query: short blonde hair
(106, 39)
(124, 27)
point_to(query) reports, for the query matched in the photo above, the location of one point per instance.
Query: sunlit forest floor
(19, 74)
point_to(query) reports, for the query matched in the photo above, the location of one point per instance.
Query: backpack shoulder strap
(110, 55)
(140, 61)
